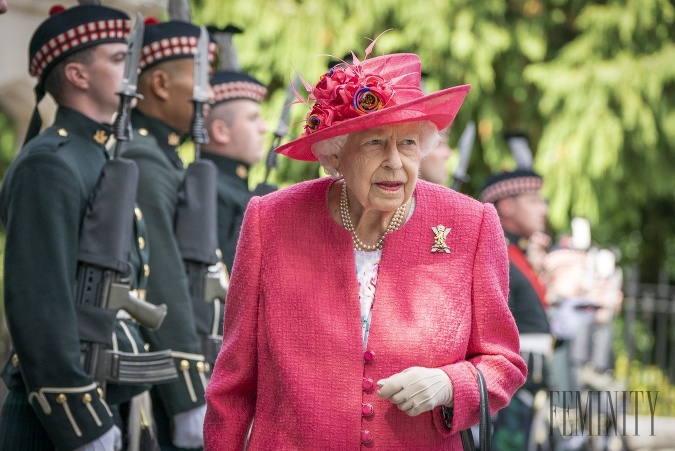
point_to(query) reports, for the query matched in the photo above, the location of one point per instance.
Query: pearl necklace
(359, 245)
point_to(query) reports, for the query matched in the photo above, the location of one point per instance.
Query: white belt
(536, 343)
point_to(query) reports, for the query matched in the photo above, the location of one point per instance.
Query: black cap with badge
(64, 33)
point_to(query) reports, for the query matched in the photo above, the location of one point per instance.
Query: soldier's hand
(188, 428)
(417, 389)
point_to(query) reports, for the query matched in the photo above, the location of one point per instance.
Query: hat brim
(439, 107)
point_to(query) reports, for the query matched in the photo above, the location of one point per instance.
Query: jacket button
(367, 384)
(366, 436)
(369, 355)
(367, 410)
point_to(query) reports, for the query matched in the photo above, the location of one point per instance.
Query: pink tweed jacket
(292, 355)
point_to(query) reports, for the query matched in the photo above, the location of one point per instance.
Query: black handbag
(484, 427)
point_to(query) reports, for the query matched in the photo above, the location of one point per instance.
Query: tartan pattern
(98, 30)
(20, 428)
(510, 187)
(512, 427)
(176, 46)
(239, 90)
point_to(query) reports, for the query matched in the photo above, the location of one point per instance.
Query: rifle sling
(204, 316)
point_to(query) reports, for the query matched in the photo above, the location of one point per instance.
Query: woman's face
(380, 165)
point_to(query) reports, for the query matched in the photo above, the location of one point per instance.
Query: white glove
(110, 440)
(188, 428)
(416, 390)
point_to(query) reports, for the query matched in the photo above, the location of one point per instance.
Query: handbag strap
(484, 426)
(484, 433)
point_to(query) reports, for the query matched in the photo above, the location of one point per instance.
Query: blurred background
(591, 83)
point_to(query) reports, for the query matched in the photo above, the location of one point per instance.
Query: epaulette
(143, 135)
(49, 141)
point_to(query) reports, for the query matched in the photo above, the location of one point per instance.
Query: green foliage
(486, 44)
(7, 142)
(647, 378)
(590, 82)
(607, 147)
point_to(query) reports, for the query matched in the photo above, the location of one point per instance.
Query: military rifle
(464, 146)
(196, 221)
(271, 161)
(228, 59)
(519, 145)
(103, 273)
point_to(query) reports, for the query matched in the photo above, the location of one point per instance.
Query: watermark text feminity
(600, 413)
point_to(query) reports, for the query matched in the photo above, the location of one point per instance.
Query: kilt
(20, 428)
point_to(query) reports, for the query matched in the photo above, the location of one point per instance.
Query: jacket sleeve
(231, 394)
(493, 344)
(157, 197)
(43, 211)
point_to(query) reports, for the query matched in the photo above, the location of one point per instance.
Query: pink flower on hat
(366, 94)
(346, 92)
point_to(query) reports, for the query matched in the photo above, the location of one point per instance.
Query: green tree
(608, 144)
(486, 44)
(590, 82)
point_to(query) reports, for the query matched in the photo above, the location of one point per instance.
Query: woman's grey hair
(325, 149)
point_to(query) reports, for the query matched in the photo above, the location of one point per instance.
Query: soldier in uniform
(78, 57)
(236, 130)
(161, 121)
(522, 212)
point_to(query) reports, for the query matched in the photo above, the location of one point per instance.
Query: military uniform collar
(519, 241)
(167, 137)
(69, 121)
(234, 168)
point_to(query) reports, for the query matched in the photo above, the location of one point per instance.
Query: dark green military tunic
(513, 423)
(42, 203)
(233, 197)
(161, 173)
(525, 302)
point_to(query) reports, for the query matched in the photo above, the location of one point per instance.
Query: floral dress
(367, 265)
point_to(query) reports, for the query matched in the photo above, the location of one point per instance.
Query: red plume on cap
(56, 9)
(150, 20)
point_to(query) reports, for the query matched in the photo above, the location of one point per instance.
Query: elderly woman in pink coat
(361, 304)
